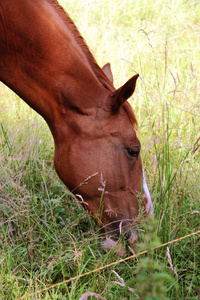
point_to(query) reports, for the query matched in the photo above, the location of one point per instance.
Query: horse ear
(107, 70)
(119, 96)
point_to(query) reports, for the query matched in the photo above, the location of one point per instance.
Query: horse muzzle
(115, 240)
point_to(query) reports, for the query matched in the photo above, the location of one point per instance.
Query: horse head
(101, 164)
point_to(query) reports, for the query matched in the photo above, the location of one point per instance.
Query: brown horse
(46, 62)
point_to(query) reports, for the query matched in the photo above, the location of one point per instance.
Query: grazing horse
(44, 60)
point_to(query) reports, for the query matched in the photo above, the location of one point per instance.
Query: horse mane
(70, 24)
(103, 79)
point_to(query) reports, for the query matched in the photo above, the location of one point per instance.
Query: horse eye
(132, 152)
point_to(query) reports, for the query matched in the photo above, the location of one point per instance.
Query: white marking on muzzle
(149, 207)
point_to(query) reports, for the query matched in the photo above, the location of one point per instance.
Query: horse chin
(132, 239)
(109, 244)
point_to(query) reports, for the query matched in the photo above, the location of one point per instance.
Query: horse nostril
(120, 229)
(128, 235)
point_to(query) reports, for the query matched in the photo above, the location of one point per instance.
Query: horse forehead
(120, 120)
(122, 126)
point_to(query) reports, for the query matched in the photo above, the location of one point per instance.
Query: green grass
(45, 236)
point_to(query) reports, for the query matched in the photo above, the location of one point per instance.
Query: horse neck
(42, 61)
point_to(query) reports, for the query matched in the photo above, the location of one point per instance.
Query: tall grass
(45, 236)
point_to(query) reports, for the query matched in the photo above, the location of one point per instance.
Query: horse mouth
(125, 231)
(111, 243)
